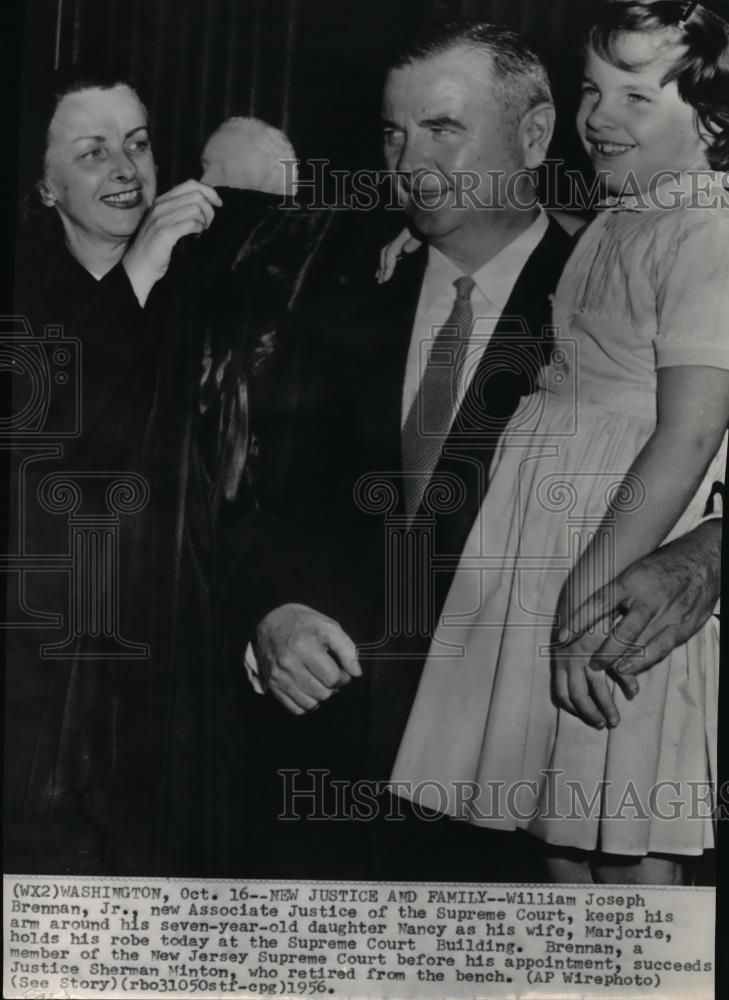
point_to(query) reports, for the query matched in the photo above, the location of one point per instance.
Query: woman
(102, 689)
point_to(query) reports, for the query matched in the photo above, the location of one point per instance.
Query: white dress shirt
(494, 283)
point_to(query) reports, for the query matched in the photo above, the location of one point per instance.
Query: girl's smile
(634, 125)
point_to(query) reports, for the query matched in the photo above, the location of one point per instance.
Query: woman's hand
(391, 254)
(187, 208)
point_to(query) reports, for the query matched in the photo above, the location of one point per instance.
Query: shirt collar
(495, 280)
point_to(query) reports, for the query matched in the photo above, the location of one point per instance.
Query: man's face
(100, 172)
(630, 125)
(443, 132)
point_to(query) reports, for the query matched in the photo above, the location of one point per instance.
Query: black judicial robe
(127, 751)
(107, 695)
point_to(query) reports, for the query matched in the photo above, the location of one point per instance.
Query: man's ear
(535, 133)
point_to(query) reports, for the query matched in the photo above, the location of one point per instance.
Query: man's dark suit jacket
(326, 430)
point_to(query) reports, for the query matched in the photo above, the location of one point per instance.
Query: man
(250, 154)
(468, 115)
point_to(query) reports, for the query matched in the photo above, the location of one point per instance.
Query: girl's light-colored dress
(646, 287)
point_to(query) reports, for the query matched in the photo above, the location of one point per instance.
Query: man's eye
(588, 88)
(391, 135)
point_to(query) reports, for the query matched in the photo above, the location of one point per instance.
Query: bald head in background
(248, 153)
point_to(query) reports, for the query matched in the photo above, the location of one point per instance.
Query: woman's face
(99, 172)
(632, 125)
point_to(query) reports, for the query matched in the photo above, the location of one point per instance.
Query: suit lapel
(380, 336)
(507, 371)
(397, 317)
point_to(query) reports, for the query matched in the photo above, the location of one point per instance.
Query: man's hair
(260, 132)
(701, 71)
(272, 146)
(517, 72)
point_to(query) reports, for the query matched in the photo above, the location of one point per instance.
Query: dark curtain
(311, 67)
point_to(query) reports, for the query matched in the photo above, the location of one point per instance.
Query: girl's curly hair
(701, 71)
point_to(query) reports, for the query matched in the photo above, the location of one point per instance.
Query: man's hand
(185, 209)
(663, 599)
(303, 657)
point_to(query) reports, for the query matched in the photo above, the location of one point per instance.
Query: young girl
(633, 413)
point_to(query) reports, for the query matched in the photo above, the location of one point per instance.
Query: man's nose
(411, 156)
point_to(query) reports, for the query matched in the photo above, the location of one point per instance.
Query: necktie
(429, 418)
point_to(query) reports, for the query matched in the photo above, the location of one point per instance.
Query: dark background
(311, 67)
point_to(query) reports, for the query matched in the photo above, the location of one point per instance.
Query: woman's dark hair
(40, 107)
(701, 72)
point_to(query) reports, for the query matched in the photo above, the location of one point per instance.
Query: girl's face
(632, 127)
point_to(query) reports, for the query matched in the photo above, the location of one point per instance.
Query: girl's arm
(404, 242)
(693, 412)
